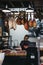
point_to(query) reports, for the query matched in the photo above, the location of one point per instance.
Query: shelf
(5, 41)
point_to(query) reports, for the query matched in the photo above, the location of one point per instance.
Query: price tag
(32, 57)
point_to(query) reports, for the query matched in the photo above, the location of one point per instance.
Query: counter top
(14, 52)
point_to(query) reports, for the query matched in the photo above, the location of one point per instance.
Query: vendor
(25, 43)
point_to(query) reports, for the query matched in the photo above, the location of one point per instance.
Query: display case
(5, 42)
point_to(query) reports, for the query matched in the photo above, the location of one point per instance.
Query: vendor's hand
(25, 46)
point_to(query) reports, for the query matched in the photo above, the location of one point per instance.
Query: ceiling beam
(11, 4)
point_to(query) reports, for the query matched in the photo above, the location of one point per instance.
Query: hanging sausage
(26, 26)
(14, 24)
(10, 23)
(18, 21)
(21, 18)
(34, 23)
(22, 21)
(30, 23)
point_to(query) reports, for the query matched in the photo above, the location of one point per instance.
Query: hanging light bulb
(6, 10)
(29, 9)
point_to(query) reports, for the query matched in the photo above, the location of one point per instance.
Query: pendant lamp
(30, 9)
(6, 9)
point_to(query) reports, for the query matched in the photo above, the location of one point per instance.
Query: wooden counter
(17, 53)
(14, 53)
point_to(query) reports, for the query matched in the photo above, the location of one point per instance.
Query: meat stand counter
(9, 52)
